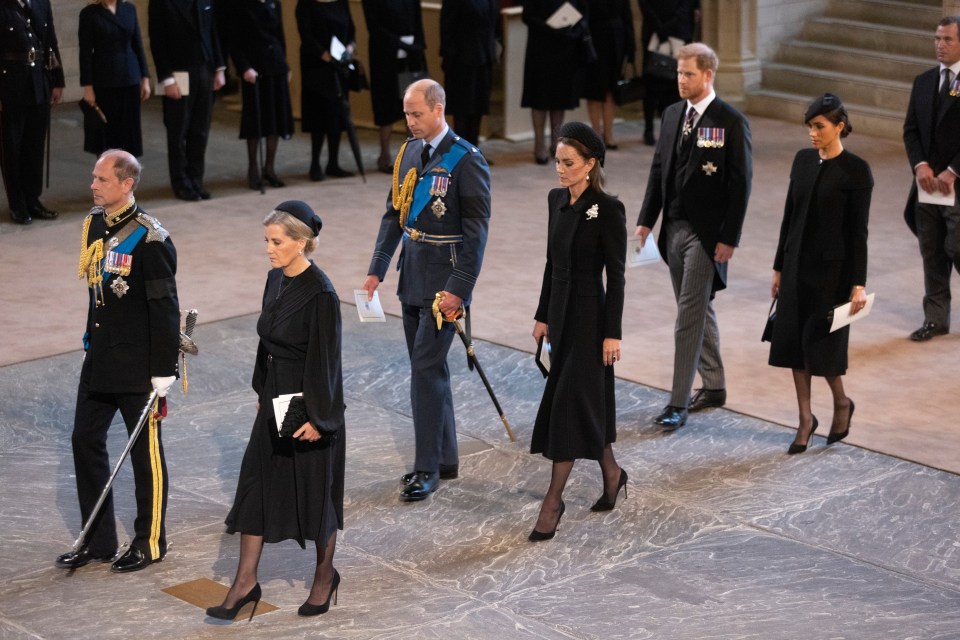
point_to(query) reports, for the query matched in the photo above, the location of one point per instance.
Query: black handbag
(295, 417)
(407, 78)
(660, 66)
(356, 77)
(630, 89)
(768, 328)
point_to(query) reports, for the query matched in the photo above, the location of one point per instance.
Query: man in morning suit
(31, 79)
(700, 179)
(931, 134)
(183, 37)
(131, 342)
(439, 208)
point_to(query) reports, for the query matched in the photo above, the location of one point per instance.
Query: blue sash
(125, 247)
(422, 195)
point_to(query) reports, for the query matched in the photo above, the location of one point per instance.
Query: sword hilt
(187, 345)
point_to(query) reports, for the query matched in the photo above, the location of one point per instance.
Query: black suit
(183, 37)
(931, 134)
(703, 207)
(25, 91)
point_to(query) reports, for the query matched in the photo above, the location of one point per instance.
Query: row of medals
(118, 264)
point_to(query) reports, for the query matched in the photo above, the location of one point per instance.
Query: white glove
(162, 385)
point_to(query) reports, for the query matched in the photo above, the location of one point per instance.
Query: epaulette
(155, 233)
(466, 145)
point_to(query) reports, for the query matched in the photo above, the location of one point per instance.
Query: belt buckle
(415, 235)
(32, 56)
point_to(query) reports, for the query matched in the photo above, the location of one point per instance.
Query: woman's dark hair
(596, 175)
(830, 107)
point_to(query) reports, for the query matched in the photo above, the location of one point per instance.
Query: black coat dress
(468, 48)
(554, 64)
(323, 89)
(821, 255)
(289, 489)
(611, 26)
(387, 22)
(113, 62)
(577, 415)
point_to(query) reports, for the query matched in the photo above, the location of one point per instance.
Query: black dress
(387, 22)
(288, 489)
(577, 415)
(322, 88)
(113, 62)
(468, 48)
(611, 25)
(254, 37)
(821, 255)
(555, 60)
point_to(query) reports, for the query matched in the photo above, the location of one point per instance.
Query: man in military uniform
(31, 79)
(440, 207)
(131, 344)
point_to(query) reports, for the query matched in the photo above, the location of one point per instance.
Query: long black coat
(468, 47)
(322, 82)
(554, 64)
(387, 21)
(821, 255)
(289, 489)
(111, 49)
(611, 25)
(577, 415)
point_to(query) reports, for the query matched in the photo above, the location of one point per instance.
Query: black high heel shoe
(607, 505)
(253, 180)
(224, 613)
(538, 536)
(800, 448)
(837, 437)
(271, 178)
(307, 609)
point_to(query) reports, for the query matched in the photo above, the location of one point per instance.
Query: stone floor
(722, 536)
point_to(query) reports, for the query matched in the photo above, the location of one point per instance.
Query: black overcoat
(387, 22)
(289, 489)
(577, 415)
(322, 82)
(821, 255)
(611, 26)
(554, 63)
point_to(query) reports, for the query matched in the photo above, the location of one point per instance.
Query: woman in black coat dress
(586, 240)
(323, 79)
(256, 43)
(388, 21)
(611, 27)
(553, 69)
(821, 263)
(113, 74)
(468, 47)
(291, 485)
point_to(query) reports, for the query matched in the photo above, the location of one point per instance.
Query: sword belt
(430, 238)
(30, 56)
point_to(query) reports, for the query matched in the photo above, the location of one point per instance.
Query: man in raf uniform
(31, 79)
(440, 207)
(183, 37)
(131, 343)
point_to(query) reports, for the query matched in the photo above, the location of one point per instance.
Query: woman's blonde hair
(293, 228)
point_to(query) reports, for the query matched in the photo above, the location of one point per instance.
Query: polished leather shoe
(423, 484)
(187, 194)
(77, 559)
(927, 331)
(132, 560)
(37, 210)
(21, 217)
(707, 399)
(447, 472)
(672, 418)
(337, 172)
(203, 193)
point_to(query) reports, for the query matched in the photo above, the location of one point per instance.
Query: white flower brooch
(593, 211)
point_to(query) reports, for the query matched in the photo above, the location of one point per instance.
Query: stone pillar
(730, 27)
(951, 7)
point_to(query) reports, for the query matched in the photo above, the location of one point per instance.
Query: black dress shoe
(423, 484)
(37, 210)
(927, 331)
(447, 472)
(540, 536)
(707, 399)
(316, 173)
(337, 172)
(837, 437)
(21, 217)
(77, 559)
(203, 193)
(271, 178)
(187, 194)
(132, 560)
(672, 418)
(795, 447)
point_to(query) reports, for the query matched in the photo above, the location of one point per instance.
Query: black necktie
(942, 96)
(425, 155)
(688, 123)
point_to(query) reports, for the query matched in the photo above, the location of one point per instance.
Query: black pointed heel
(538, 536)
(800, 448)
(603, 504)
(225, 613)
(837, 437)
(307, 609)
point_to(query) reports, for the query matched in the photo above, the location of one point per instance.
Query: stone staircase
(865, 51)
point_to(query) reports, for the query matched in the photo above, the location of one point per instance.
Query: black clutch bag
(660, 66)
(630, 89)
(295, 417)
(771, 317)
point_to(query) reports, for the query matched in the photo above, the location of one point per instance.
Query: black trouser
(188, 126)
(95, 412)
(23, 129)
